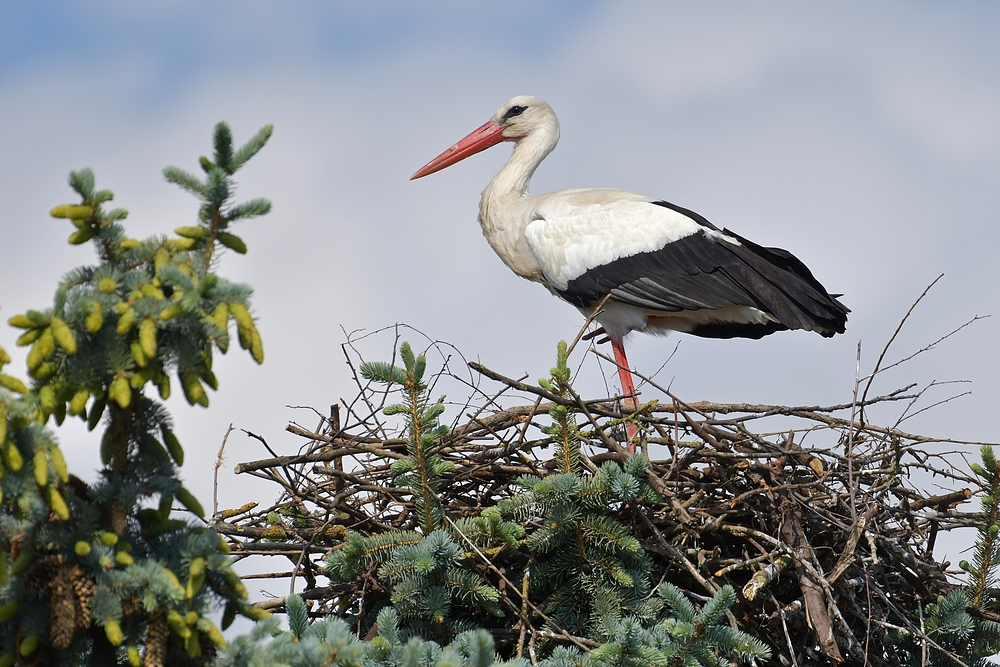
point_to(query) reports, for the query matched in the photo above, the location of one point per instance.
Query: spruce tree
(586, 562)
(435, 592)
(106, 573)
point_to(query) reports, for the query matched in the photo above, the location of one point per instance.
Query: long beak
(479, 140)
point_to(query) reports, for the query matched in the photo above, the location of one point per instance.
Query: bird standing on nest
(655, 266)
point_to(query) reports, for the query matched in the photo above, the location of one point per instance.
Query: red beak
(479, 140)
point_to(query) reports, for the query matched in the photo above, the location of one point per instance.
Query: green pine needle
(298, 615)
(223, 142)
(186, 180)
(251, 148)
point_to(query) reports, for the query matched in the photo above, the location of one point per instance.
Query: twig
(215, 477)
(899, 328)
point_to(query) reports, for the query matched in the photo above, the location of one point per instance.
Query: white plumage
(572, 231)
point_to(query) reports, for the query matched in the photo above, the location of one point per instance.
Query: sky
(864, 137)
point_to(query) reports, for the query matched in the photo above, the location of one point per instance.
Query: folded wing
(675, 262)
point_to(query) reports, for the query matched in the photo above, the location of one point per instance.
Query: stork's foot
(599, 331)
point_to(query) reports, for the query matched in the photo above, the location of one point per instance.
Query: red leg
(628, 390)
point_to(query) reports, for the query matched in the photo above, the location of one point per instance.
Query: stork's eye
(514, 111)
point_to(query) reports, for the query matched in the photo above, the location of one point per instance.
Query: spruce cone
(131, 606)
(83, 595)
(208, 648)
(64, 610)
(40, 575)
(156, 641)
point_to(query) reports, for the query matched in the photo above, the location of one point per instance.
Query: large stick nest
(818, 519)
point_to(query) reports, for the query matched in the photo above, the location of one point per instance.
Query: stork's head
(521, 117)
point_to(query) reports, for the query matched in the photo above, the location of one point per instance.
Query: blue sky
(185, 42)
(863, 137)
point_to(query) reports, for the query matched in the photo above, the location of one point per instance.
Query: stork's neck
(512, 181)
(503, 212)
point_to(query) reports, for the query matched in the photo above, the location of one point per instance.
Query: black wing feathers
(791, 277)
(704, 272)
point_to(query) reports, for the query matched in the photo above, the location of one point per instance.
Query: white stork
(662, 267)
